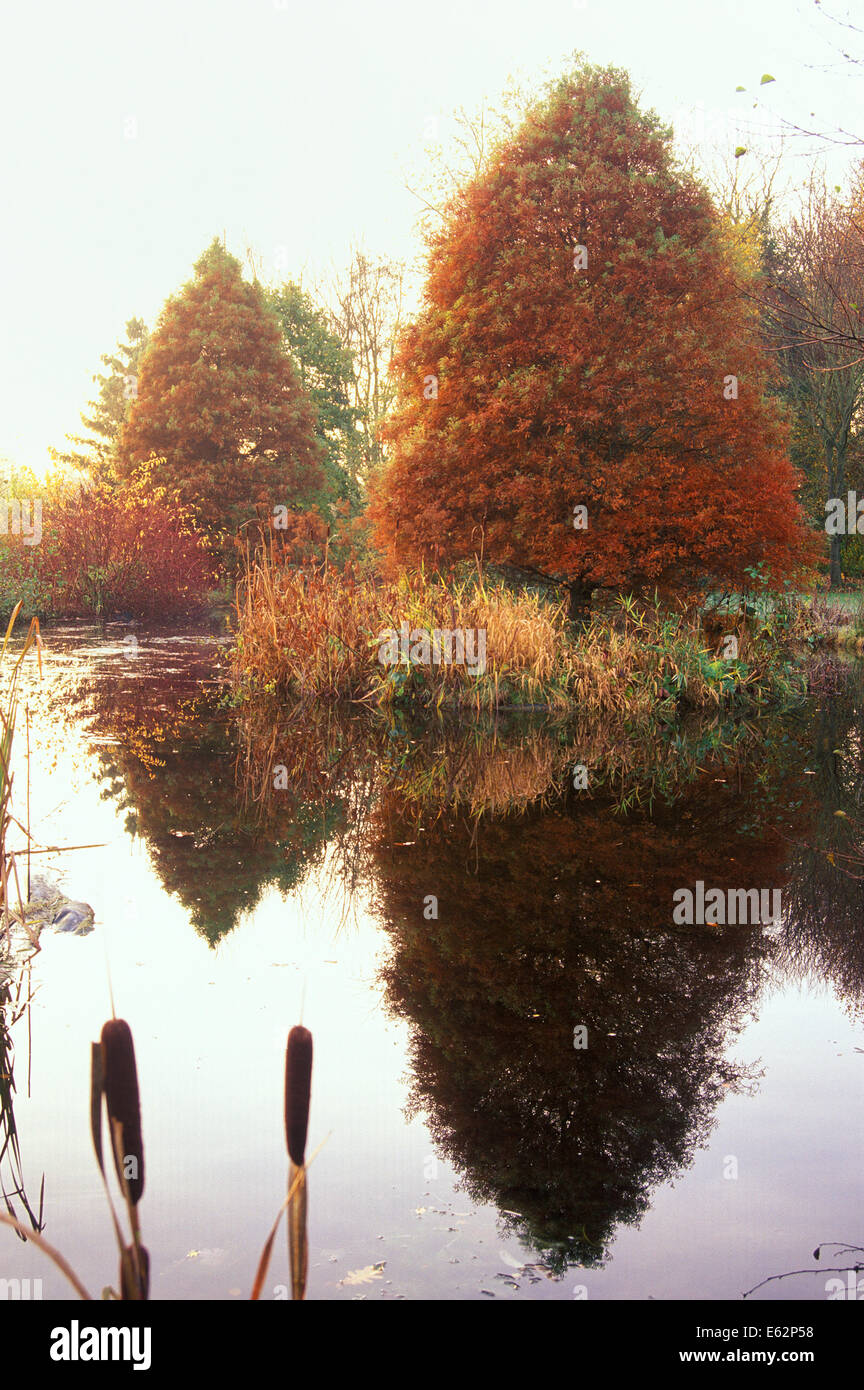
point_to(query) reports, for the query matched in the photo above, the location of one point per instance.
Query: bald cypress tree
(219, 406)
(582, 394)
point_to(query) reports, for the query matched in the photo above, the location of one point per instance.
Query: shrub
(104, 551)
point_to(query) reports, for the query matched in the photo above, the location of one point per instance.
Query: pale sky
(132, 134)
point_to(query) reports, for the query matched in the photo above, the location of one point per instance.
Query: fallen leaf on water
(365, 1275)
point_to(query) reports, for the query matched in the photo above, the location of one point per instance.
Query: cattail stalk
(135, 1273)
(298, 1240)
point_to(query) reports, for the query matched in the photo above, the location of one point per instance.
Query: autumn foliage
(105, 552)
(585, 339)
(219, 405)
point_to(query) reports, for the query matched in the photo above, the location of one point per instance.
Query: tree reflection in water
(554, 910)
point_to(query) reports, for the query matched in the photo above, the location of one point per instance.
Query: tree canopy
(814, 307)
(219, 406)
(585, 341)
(326, 372)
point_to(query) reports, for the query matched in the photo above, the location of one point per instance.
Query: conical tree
(117, 389)
(585, 341)
(219, 405)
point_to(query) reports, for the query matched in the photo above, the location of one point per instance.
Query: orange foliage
(561, 383)
(218, 401)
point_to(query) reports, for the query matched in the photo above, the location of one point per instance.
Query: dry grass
(316, 633)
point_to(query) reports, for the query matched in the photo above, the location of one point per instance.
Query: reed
(298, 1082)
(134, 1273)
(316, 633)
(123, 1105)
(114, 1079)
(12, 1181)
(9, 703)
(298, 1085)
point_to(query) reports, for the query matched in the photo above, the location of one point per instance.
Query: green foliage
(117, 389)
(20, 577)
(325, 370)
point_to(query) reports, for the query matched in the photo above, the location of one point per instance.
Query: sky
(132, 134)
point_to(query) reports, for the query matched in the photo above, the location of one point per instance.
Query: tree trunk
(835, 570)
(836, 468)
(579, 607)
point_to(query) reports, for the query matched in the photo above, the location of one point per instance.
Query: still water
(442, 910)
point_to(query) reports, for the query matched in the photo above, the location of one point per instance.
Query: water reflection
(544, 924)
(165, 747)
(823, 935)
(553, 908)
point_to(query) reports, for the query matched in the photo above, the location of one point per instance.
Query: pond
(529, 1081)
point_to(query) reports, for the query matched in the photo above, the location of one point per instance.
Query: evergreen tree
(117, 389)
(326, 373)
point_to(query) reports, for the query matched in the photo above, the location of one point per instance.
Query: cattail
(298, 1082)
(121, 1096)
(130, 1289)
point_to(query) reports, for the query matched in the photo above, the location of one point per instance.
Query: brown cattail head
(298, 1082)
(121, 1096)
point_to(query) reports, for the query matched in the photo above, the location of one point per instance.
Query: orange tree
(585, 341)
(219, 408)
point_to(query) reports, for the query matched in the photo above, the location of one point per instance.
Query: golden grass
(315, 634)
(318, 633)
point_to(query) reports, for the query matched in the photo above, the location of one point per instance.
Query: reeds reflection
(554, 909)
